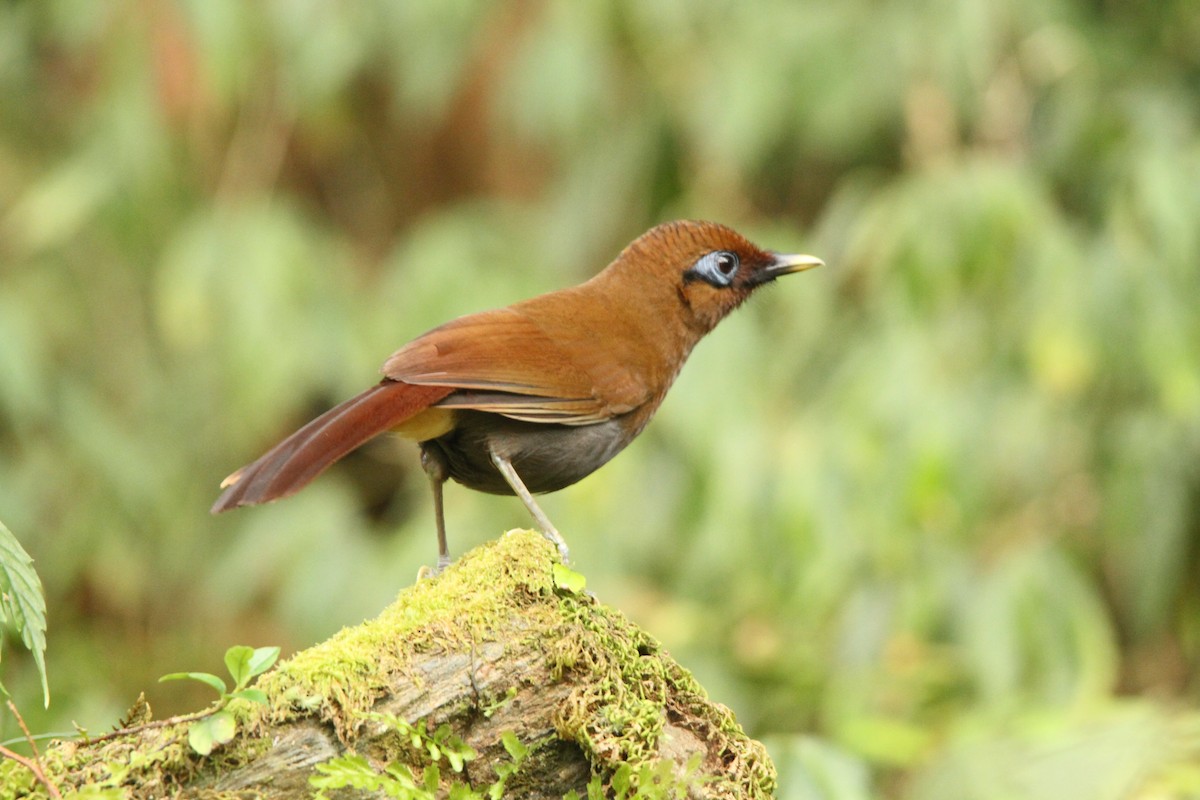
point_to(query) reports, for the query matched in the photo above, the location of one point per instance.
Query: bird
(533, 397)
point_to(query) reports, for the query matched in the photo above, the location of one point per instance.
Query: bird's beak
(785, 264)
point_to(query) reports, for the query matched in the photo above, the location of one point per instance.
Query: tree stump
(503, 644)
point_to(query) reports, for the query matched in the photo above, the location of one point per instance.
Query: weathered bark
(493, 645)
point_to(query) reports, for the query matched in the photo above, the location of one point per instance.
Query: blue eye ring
(717, 268)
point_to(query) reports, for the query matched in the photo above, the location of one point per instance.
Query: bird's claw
(558, 541)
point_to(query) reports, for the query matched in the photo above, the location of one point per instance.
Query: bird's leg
(436, 470)
(543, 522)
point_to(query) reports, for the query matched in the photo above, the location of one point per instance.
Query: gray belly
(547, 457)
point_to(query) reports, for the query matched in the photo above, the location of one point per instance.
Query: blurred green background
(928, 519)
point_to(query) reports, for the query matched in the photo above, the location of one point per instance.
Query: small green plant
(218, 725)
(395, 780)
(23, 606)
(398, 780)
(22, 603)
(518, 752)
(657, 781)
(491, 707)
(443, 743)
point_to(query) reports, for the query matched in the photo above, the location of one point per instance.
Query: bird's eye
(718, 268)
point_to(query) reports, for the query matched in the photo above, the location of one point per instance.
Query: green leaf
(491, 708)
(432, 777)
(203, 677)
(22, 601)
(451, 746)
(622, 780)
(222, 726)
(568, 579)
(262, 660)
(211, 731)
(400, 777)
(253, 695)
(200, 738)
(237, 661)
(517, 751)
(343, 771)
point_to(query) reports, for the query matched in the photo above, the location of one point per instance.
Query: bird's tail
(290, 465)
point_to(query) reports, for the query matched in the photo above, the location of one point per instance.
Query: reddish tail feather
(290, 465)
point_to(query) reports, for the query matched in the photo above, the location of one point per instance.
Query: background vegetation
(927, 519)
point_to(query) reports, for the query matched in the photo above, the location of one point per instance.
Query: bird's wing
(504, 362)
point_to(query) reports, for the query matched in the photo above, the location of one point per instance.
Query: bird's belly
(547, 457)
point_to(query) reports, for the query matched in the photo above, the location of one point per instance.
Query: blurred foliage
(928, 519)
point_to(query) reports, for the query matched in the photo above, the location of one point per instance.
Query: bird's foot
(427, 571)
(557, 540)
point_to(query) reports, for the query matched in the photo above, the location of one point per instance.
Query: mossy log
(501, 642)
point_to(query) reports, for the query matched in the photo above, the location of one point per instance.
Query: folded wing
(505, 363)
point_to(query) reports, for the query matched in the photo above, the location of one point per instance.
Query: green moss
(342, 677)
(626, 689)
(156, 762)
(618, 713)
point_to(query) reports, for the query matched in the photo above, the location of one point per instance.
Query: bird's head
(711, 269)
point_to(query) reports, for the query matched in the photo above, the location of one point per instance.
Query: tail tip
(222, 504)
(228, 498)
